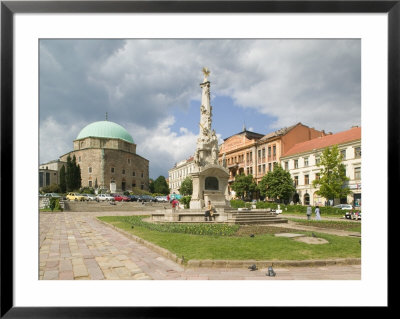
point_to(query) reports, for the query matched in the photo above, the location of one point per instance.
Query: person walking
(209, 212)
(317, 213)
(309, 212)
(174, 204)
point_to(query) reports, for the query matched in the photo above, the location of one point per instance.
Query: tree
(277, 184)
(332, 181)
(244, 185)
(151, 186)
(63, 185)
(186, 187)
(161, 186)
(72, 175)
(68, 175)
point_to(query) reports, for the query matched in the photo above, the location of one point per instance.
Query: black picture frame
(9, 8)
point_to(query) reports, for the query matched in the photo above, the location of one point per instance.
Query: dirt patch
(312, 240)
(245, 230)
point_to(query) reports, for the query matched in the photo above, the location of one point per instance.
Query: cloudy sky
(151, 87)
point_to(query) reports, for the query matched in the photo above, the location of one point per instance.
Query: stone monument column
(210, 180)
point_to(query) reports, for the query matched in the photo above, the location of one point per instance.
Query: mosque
(106, 154)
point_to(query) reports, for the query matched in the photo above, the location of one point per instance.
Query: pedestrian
(317, 213)
(174, 204)
(309, 211)
(209, 212)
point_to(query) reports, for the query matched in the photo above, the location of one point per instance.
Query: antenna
(106, 116)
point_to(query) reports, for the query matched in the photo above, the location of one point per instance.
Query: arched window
(211, 183)
(306, 199)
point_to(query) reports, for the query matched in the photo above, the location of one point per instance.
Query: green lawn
(340, 225)
(264, 246)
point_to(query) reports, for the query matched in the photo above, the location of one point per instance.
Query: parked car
(161, 199)
(133, 198)
(344, 206)
(146, 198)
(76, 197)
(105, 197)
(90, 197)
(54, 195)
(120, 198)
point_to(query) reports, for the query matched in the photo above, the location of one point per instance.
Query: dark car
(133, 198)
(146, 198)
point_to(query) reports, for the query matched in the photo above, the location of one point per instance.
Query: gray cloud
(140, 83)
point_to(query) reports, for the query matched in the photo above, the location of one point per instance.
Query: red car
(121, 198)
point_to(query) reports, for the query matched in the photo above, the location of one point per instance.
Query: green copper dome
(105, 129)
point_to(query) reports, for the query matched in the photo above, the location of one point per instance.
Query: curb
(207, 263)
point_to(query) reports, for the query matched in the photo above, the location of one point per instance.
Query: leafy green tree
(277, 184)
(63, 185)
(244, 186)
(161, 186)
(333, 179)
(151, 185)
(186, 186)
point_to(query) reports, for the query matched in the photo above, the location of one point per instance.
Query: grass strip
(329, 224)
(260, 247)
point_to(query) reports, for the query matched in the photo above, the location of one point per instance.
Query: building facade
(49, 173)
(302, 163)
(178, 174)
(106, 154)
(256, 154)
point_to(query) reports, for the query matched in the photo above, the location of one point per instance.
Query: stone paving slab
(77, 246)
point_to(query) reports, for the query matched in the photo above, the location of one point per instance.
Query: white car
(344, 206)
(105, 197)
(90, 197)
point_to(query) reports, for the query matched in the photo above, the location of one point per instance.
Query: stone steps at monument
(255, 217)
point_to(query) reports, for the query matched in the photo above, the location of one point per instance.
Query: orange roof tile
(325, 141)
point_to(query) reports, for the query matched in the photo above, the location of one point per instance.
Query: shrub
(194, 229)
(237, 203)
(186, 200)
(87, 190)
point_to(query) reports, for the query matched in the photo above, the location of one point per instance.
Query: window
(123, 172)
(269, 167)
(263, 152)
(357, 152)
(90, 170)
(79, 158)
(259, 154)
(112, 169)
(90, 183)
(343, 154)
(296, 163)
(305, 161)
(269, 151)
(274, 150)
(141, 176)
(251, 170)
(129, 160)
(296, 181)
(134, 174)
(287, 165)
(306, 180)
(259, 168)
(142, 186)
(263, 168)
(357, 173)
(317, 160)
(317, 176)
